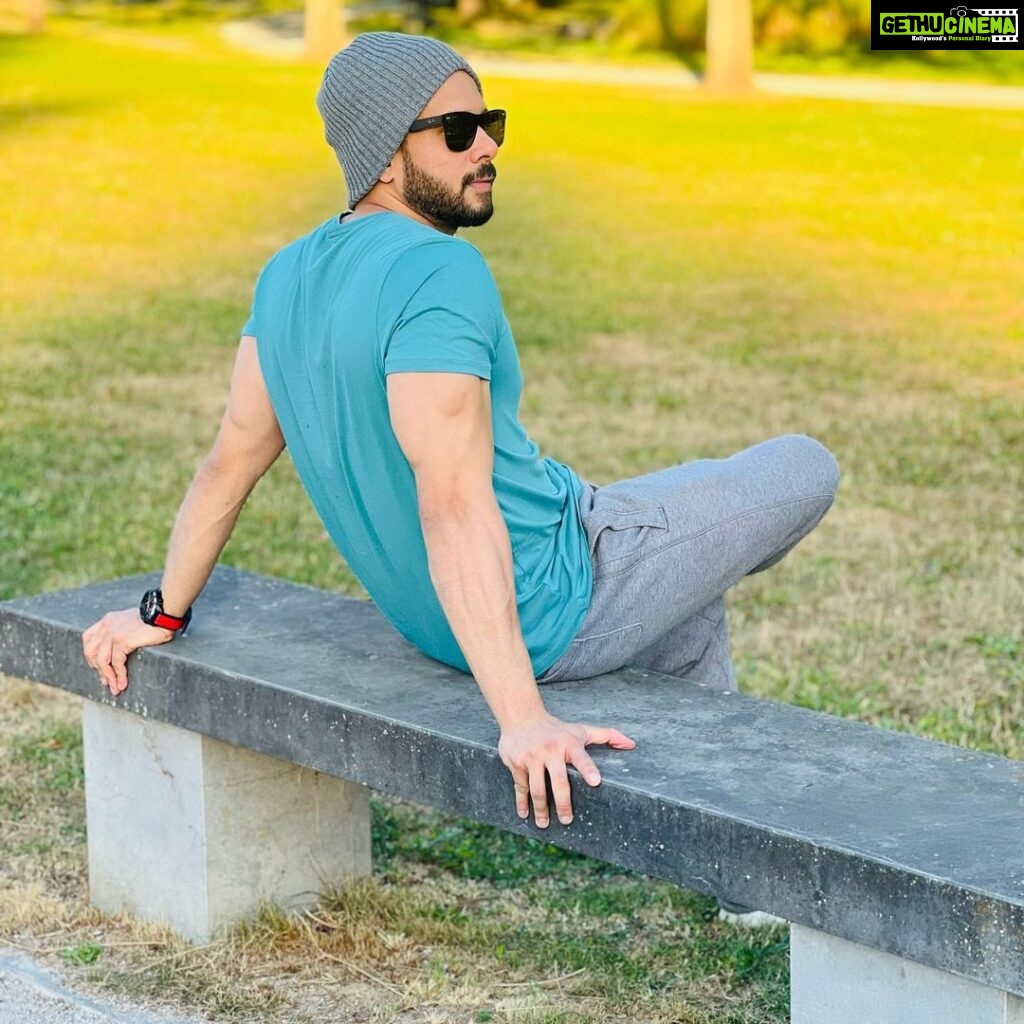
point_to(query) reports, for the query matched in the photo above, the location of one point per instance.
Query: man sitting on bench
(378, 351)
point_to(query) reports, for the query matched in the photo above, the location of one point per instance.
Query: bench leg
(835, 981)
(196, 833)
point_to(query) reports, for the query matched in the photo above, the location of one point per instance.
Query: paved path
(31, 994)
(281, 36)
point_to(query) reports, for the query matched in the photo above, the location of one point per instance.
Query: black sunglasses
(460, 127)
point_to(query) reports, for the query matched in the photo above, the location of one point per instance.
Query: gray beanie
(372, 91)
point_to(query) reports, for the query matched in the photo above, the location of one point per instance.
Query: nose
(484, 147)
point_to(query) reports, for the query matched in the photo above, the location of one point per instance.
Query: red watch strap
(165, 621)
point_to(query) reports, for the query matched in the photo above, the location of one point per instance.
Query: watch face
(151, 606)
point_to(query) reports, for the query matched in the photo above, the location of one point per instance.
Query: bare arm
(443, 423)
(248, 442)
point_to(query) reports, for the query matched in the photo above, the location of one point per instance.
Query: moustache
(486, 173)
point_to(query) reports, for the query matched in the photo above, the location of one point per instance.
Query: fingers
(560, 790)
(118, 661)
(584, 764)
(612, 737)
(539, 795)
(107, 652)
(521, 783)
(98, 657)
(534, 789)
(106, 668)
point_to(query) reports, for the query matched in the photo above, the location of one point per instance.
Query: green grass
(985, 66)
(685, 276)
(584, 915)
(83, 953)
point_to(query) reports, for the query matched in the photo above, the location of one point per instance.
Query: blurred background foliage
(827, 36)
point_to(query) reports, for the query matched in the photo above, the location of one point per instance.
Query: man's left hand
(107, 644)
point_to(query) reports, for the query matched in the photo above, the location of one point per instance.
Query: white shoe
(750, 918)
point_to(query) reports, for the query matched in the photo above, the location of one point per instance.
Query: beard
(442, 205)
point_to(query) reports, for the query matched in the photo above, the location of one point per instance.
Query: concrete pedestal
(197, 833)
(834, 981)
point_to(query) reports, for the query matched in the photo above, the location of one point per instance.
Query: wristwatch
(151, 609)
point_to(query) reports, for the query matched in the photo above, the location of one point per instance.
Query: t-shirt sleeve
(440, 311)
(252, 325)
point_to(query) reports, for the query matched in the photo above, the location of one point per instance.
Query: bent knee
(814, 463)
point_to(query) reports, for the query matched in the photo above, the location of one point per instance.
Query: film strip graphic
(997, 12)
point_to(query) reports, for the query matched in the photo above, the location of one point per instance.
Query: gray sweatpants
(666, 546)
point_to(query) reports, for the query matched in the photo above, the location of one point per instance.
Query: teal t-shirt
(333, 314)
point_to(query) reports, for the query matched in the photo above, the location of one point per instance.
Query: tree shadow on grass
(21, 113)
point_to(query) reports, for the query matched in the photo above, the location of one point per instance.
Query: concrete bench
(234, 769)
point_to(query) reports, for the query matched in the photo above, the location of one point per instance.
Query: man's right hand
(543, 745)
(108, 643)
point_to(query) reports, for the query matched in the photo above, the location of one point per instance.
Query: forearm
(201, 529)
(470, 560)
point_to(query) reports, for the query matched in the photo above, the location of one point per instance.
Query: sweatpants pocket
(618, 531)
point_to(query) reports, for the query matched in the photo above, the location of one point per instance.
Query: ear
(388, 174)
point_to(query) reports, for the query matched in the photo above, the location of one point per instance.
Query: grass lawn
(685, 277)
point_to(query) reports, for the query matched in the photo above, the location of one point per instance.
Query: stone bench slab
(902, 844)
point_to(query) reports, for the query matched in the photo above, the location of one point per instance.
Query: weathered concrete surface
(902, 844)
(196, 833)
(833, 981)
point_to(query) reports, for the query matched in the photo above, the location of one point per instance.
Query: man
(386, 364)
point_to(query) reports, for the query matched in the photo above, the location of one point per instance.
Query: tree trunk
(730, 47)
(665, 29)
(36, 12)
(324, 29)
(469, 10)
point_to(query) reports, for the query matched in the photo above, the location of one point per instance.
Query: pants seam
(611, 632)
(716, 526)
